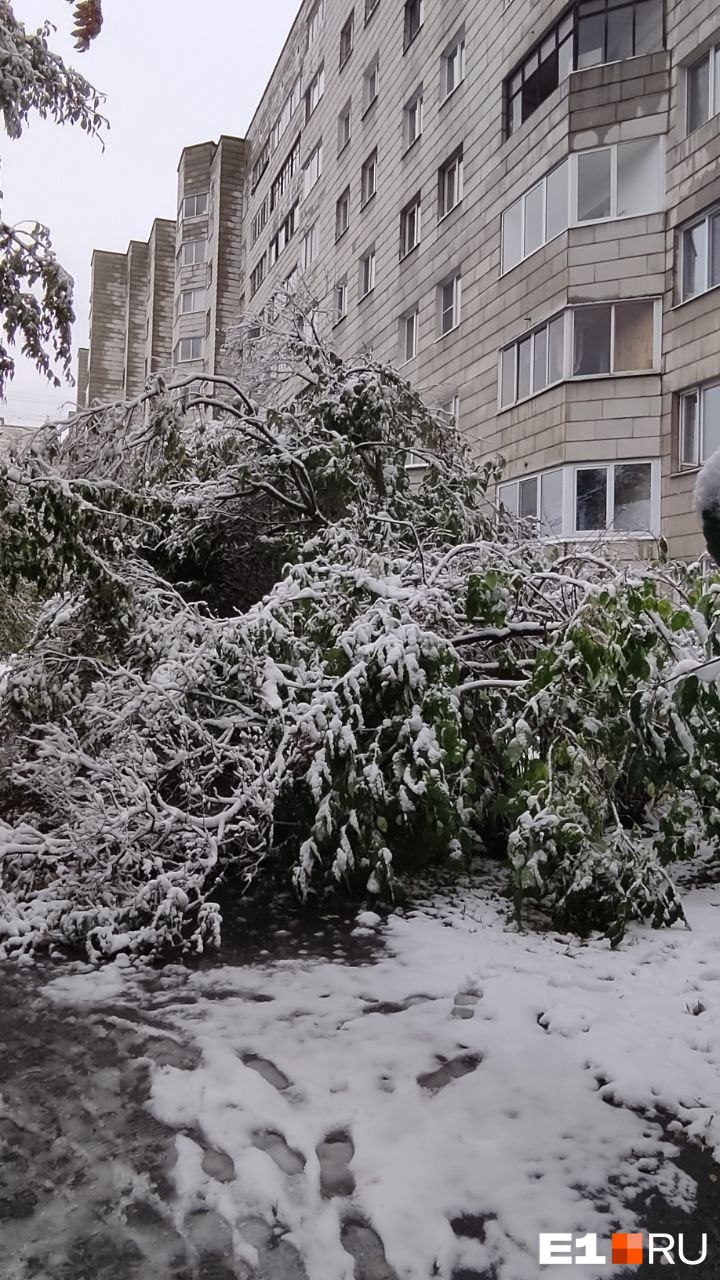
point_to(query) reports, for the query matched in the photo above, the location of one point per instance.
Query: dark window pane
(689, 430)
(528, 504)
(507, 378)
(556, 352)
(592, 340)
(632, 497)
(594, 184)
(710, 420)
(694, 260)
(591, 502)
(591, 40)
(715, 249)
(540, 360)
(619, 35)
(648, 26)
(549, 80)
(524, 367)
(698, 83)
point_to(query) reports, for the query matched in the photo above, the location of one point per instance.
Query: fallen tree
(269, 650)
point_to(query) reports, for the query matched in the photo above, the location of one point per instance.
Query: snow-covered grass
(523, 1080)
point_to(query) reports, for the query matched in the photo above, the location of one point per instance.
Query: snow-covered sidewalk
(426, 1113)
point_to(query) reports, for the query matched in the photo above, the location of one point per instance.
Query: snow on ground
(429, 1112)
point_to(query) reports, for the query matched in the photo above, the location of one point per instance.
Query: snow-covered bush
(269, 650)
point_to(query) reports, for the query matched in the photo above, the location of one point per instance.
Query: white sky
(175, 73)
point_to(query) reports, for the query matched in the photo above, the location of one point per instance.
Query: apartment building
(517, 202)
(167, 303)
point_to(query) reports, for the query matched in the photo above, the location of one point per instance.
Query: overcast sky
(175, 73)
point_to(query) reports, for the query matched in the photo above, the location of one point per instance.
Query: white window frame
(314, 92)
(712, 54)
(700, 454)
(310, 247)
(454, 52)
(454, 163)
(259, 220)
(370, 8)
(182, 343)
(314, 23)
(450, 408)
(312, 169)
(347, 40)
(190, 205)
(344, 127)
(368, 178)
(371, 84)
(455, 281)
(567, 315)
(367, 273)
(341, 300)
(705, 221)
(409, 334)
(283, 235)
(257, 275)
(568, 505)
(193, 253)
(191, 294)
(413, 110)
(572, 219)
(414, 207)
(342, 207)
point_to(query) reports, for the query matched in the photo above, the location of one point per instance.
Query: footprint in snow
(464, 1003)
(267, 1070)
(365, 1246)
(335, 1153)
(285, 1157)
(449, 1070)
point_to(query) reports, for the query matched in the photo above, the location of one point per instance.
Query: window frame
(567, 314)
(313, 166)
(314, 92)
(341, 292)
(314, 23)
(371, 8)
(369, 167)
(411, 31)
(258, 273)
(570, 36)
(568, 473)
(345, 114)
(700, 455)
(347, 40)
(191, 338)
(455, 161)
(369, 261)
(195, 261)
(712, 53)
(705, 220)
(409, 323)
(283, 235)
(310, 241)
(455, 281)
(413, 206)
(193, 310)
(456, 47)
(413, 104)
(343, 201)
(371, 75)
(197, 213)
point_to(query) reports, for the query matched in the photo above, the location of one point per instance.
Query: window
(409, 336)
(346, 39)
(371, 83)
(410, 226)
(452, 68)
(257, 275)
(344, 126)
(616, 497)
(192, 252)
(287, 111)
(284, 235)
(195, 206)
(368, 178)
(314, 22)
(413, 20)
(450, 409)
(537, 498)
(367, 273)
(703, 89)
(188, 349)
(287, 172)
(449, 297)
(289, 284)
(618, 181)
(314, 92)
(341, 300)
(699, 426)
(259, 220)
(260, 165)
(310, 247)
(700, 256)
(450, 183)
(312, 170)
(593, 32)
(589, 341)
(413, 119)
(370, 7)
(342, 214)
(192, 300)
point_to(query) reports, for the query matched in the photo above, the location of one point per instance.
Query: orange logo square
(627, 1248)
